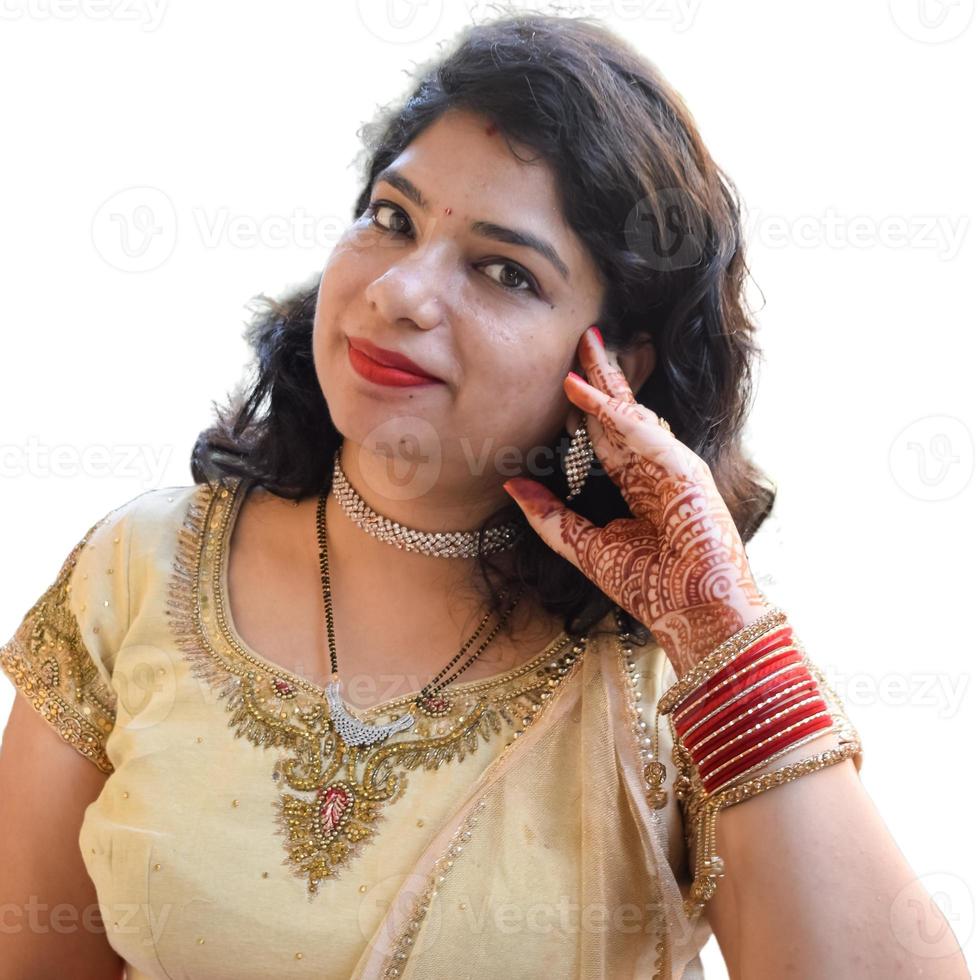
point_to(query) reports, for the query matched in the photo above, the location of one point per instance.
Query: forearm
(815, 886)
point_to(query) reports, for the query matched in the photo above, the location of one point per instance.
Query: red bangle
(751, 723)
(762, 700)
(747, 675)
(782, 672)
(775, 686)
(738, 758)
(721, 776)
(765, 644)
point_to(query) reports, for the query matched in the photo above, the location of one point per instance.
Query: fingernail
(598, 336)
(576, 376)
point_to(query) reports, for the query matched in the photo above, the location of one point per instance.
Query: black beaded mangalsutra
(428, 701)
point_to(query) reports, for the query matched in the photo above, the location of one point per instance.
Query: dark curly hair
(659, 218)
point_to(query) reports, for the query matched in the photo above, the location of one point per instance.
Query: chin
(400, 433)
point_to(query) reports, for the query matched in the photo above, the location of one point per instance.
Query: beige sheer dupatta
(555, 864)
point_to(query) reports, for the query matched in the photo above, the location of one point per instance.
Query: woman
(489, 756)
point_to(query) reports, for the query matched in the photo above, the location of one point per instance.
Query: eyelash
(372, 213)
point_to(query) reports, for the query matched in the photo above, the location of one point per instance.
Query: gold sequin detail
(338, 792)
(48, 662)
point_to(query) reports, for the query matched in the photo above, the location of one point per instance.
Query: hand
(678, 565)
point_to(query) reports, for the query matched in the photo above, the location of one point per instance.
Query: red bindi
(491, 129)
(449, 210)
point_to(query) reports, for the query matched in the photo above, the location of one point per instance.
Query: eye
(530, 285)
(531, 288)
(375, 206)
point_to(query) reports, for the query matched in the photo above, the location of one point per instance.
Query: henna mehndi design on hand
(678, 565)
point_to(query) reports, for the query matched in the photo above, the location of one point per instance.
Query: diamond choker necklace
(442, 544)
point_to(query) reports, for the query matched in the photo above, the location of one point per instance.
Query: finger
(627, 425)
(607, 441)
(599, 368)
(564, 531)
(634, 428)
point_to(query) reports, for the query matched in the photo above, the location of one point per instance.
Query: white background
(849, 130)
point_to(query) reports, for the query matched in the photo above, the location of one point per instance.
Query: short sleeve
(62, 655)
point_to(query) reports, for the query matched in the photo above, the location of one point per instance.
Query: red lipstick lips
(386, 367)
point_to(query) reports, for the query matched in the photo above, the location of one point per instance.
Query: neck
(420, 497)
(418, 594)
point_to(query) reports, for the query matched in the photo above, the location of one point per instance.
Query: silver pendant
(355, 732)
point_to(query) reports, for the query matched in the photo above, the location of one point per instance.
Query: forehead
(463, 163)
(462, 153)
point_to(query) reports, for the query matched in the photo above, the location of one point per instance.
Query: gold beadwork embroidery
(48, 662)
(347, 787)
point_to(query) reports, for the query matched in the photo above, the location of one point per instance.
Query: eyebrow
(486, 229)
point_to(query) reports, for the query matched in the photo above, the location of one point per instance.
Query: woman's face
(495, 321)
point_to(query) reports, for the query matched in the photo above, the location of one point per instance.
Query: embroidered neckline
(215, 589)
(272, 707)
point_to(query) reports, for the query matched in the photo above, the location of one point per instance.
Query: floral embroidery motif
(344, 789)
(47, 661)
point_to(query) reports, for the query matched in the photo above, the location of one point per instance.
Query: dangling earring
(577, 460)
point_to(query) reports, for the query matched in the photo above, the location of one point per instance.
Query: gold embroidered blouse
(513, 834)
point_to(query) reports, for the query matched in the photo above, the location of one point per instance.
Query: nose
(409, 290)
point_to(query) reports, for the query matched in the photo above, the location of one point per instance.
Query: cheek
(344, 266)
(532, 353)
(522, 384)
(343, 280)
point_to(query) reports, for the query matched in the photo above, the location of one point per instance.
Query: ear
(637, 365)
